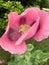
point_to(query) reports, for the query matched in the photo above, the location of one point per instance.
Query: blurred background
(38, 53)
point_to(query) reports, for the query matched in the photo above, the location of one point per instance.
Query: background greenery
(37, 53)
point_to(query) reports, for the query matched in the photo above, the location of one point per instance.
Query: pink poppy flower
(32, 23)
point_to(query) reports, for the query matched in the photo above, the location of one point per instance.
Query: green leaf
(4, 55)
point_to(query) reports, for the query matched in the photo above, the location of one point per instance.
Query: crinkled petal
(30, 14)
(9, 46)
(43, 32)
(30, 33)
(13, 20)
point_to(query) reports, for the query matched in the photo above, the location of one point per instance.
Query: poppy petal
(43, 32)
(13, 19)
(30, 14)
(9, 46)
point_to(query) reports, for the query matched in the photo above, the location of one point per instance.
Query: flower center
(23, 28)
(14, 34)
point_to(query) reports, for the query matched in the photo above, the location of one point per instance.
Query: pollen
(24, 28)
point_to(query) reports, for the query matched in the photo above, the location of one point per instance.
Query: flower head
(32, 23)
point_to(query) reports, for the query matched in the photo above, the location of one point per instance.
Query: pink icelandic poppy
(32, 23)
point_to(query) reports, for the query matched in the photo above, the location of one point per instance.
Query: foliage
(35, 58)
(39, 3)
(46, 4)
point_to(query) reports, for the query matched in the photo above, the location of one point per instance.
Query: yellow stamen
(23, 28)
